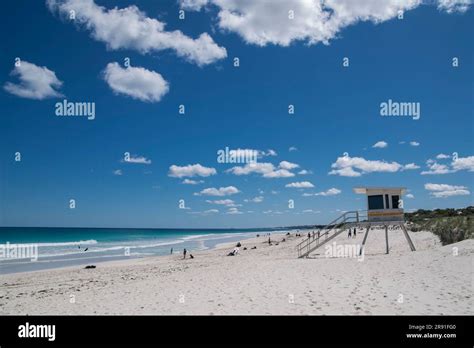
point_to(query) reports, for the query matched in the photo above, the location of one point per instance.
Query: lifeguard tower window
(375, 202)
(395, 200)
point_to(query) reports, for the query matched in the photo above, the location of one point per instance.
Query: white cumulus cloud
(380, 144)
(436, 168)
(130, 28)
(233, 211)
(331, 192)
(451, 6)
(136, 82)
(191, 182)
(305, 172)
(411, 166)
(444, 190)
(463, 163)
(279, 173)
(356, 166)
(267, 170)
(283, 22)
(35, 82)
(252, 167)
(288, 165)
(222, 191)
(226, 202)
(269, 152)
(193, 4)
(460, 163)
(301, 184)
(190, 170)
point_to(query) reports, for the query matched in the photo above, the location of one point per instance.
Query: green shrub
(452, 229)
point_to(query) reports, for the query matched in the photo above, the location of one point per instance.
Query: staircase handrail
(345, 217)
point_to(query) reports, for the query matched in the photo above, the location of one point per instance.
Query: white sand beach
(265, 280)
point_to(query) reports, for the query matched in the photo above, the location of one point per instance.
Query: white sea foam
(196, 236)
(106, 249)
(59, 249)
(80, 242)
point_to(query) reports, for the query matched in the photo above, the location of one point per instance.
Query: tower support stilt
(364, 240)
(407, 236)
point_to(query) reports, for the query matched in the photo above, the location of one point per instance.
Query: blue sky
(337, 110)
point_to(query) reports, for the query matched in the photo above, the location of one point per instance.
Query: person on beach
(355, 232)
(233, 252)
(269, 241)
(171, 252)
(309, 235)
(350, 233)
(184, 253)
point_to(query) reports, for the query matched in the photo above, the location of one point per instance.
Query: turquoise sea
(59, 247)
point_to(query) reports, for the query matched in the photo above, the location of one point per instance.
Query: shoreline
(124, 260)
(268, 280)
(78, 261)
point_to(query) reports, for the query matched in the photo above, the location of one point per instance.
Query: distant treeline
(451, 225)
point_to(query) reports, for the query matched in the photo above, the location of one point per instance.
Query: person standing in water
(171, 252)
(184, 253)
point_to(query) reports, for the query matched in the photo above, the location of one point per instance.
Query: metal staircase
(330, 231)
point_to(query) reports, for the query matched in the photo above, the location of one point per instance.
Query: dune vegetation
(451, 225)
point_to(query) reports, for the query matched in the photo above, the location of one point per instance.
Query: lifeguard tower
(384, 208)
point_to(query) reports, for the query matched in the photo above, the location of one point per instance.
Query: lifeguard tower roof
(365, 190)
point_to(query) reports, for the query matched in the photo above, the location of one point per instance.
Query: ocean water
(59, 247)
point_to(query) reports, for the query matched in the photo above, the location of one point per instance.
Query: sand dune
(266, 280)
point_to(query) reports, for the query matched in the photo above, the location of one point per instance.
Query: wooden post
(363, 241)
(386, 238)
(405, 232)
